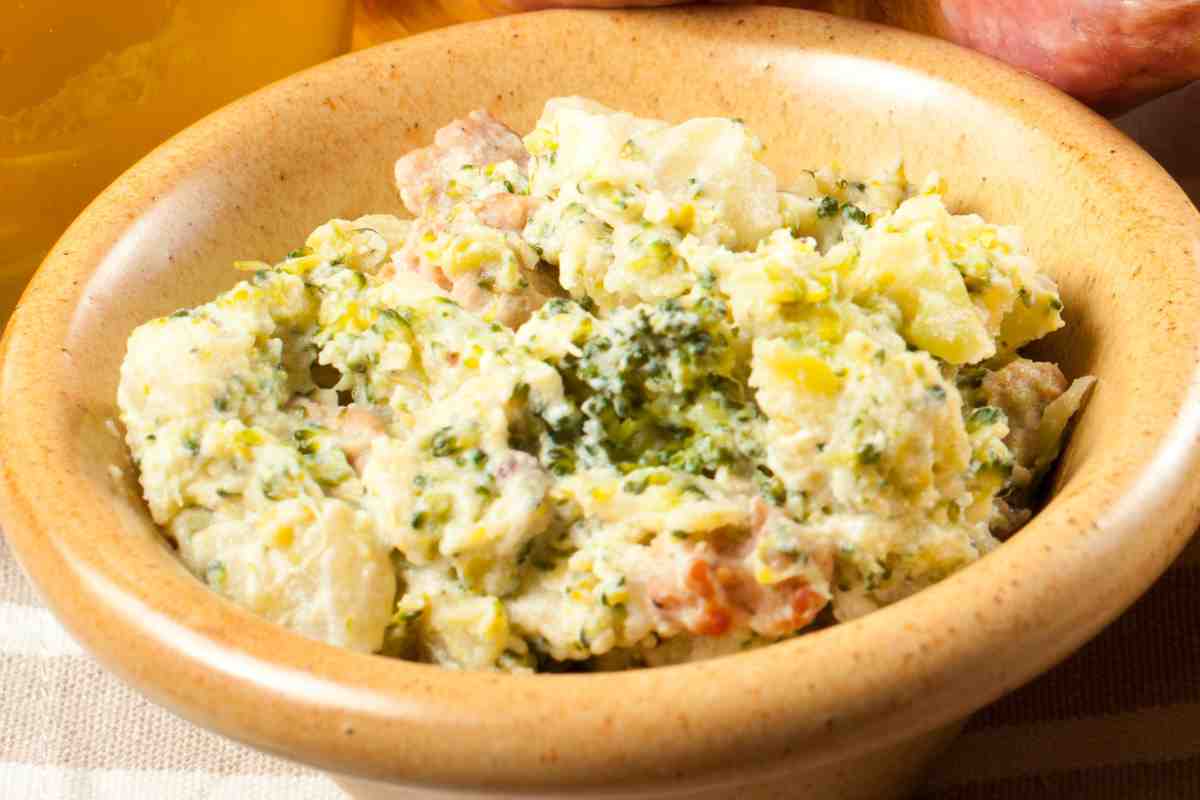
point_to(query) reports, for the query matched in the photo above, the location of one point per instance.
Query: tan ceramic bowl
(850, 712)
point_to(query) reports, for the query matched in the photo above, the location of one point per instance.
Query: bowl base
(890, 773)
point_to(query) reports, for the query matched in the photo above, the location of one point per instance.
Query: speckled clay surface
(847, 712)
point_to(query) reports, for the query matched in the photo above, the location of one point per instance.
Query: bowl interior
(251, 181)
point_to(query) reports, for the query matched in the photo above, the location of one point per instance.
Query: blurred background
(83, 94)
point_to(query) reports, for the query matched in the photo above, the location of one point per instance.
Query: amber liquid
(87, 88)
(378, 21)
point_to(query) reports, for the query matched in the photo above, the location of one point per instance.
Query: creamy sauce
(613, 397)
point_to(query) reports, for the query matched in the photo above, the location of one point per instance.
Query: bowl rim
(420, 724)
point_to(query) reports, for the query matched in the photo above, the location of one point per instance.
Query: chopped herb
(443, 443)
(560, 461)
(635, 485)
(985, 415)
(828, 207)
(556, 306)
(770, 487)
(855, 214)
(1000, 465)
(869, 454)
(418, 520)
(270, 490)
(305, 441)
(392, 315)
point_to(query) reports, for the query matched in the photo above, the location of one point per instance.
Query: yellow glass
(87, 87)
(378, 21)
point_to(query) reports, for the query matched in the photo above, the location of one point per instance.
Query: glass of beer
(87, 88)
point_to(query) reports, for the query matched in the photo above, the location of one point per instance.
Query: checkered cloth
(69, 730)
(1120, 720)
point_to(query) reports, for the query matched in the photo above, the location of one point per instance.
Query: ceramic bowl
(854, 711)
